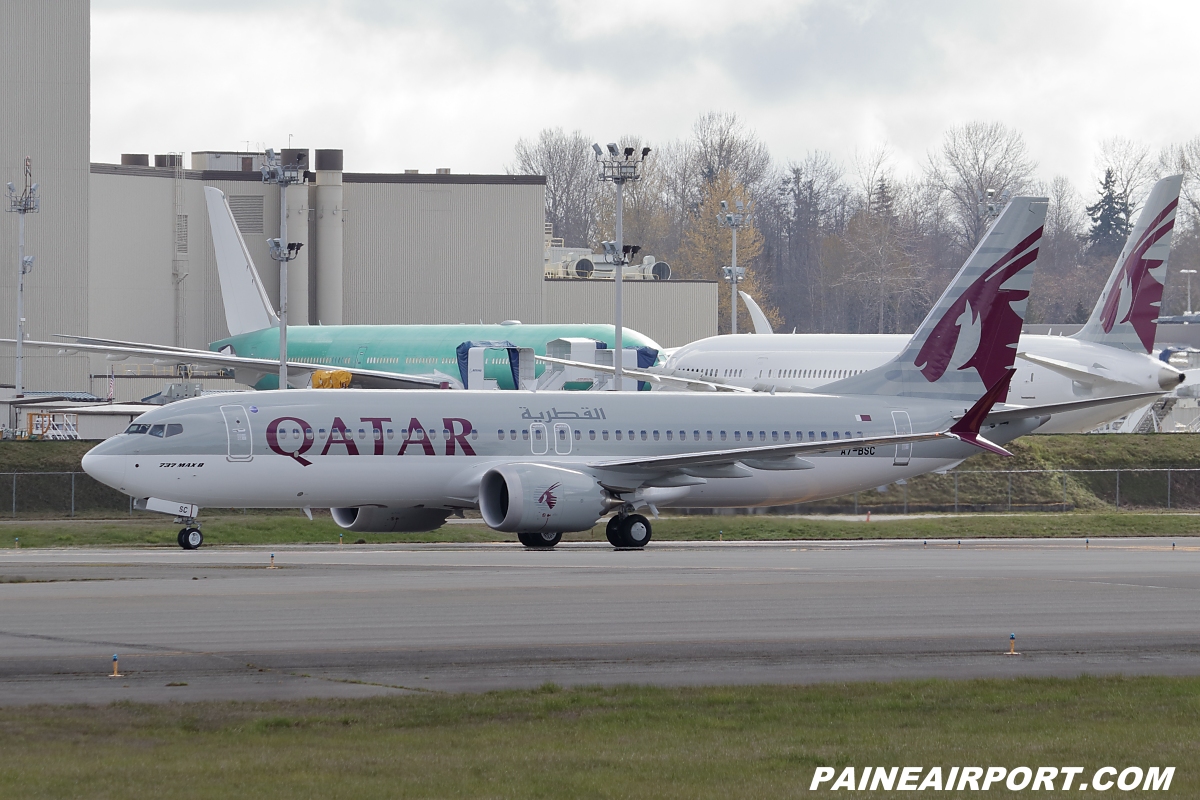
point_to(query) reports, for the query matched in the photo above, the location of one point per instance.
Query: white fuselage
(806, 361)
(431, 448)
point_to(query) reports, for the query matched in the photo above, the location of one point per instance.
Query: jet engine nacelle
(371, 519)
(532, 498)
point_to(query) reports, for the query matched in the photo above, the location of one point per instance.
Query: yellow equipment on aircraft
(331, 379)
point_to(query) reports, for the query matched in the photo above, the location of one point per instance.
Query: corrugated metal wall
(132, 245)
(671, 313)
(415, 251)
(44, 52)
(426, 252)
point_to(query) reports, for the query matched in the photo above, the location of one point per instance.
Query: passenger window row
(683, 436)
(414, 434)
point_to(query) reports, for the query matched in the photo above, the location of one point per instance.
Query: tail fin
(969, 339)
(1126, 315)
(247, 307)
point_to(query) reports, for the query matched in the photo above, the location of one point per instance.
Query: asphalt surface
(362, 620)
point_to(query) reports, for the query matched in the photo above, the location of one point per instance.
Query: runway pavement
(366, 620)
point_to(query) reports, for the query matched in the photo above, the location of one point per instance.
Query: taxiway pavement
(366, 620)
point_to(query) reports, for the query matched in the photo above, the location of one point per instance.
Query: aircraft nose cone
(109, 470)
(1169, 377)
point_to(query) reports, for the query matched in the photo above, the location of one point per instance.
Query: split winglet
(967, 428)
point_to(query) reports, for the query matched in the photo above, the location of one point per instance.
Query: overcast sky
(453, 83)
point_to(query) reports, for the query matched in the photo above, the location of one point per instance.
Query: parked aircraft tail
(969, 339)
(247, 307)
(1126, 315)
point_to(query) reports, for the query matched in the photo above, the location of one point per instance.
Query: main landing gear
(540, 541)
(628, 531)
(189, 537)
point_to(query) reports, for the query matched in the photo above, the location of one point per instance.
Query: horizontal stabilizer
(1030, 412)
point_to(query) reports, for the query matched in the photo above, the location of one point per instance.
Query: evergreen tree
(1079, 315)
(1110, 218)
(885, 204)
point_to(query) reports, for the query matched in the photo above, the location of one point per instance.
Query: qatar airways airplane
(1112, 355)
(542, 463)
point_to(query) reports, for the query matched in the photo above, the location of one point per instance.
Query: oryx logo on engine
(548, 498)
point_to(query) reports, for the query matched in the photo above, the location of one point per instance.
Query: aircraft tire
(635, 531)
(540, 541)
(613, 531)
(192, 538)
(179, 538)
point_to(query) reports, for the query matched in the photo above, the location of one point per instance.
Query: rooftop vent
(135, 159)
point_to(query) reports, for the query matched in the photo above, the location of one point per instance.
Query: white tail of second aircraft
(968, 342)
(247, 307)
(1126, 315)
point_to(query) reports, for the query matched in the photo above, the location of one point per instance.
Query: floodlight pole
(25, 203)
(619, 166)
(283, 251)
(619, 274)
(734, 222)
(1189, 273)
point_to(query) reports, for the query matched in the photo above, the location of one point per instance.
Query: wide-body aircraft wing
(299, 373)
(650, 376)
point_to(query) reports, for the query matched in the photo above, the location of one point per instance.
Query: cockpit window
(157, 430)
(174, 429)
(137, 428)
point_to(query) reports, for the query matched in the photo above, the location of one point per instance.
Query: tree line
(860, 248)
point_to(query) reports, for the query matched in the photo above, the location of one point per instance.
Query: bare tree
(811, 202)
(1184, 158)
(1134, 168)
(721, 142)
(974, 158)
(872, 167)
(571, 185)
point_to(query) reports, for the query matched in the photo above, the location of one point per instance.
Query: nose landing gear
(189, 537)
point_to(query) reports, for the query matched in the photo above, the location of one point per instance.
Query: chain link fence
(59, 494)
(76, 494)
(1026, 490)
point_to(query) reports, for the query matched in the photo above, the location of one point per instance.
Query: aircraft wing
(761, 325)
(771, 456)
(123, 343)
(1025, 412)
(694, 467)
(163, 354)
(694, 384)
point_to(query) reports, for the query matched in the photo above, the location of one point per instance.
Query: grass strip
(754, 741)
(279, 529)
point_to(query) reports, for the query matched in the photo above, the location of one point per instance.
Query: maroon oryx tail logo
(990, 304)
(1144, 291)
(548, 498)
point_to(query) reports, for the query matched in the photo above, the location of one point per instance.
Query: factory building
(123, 251)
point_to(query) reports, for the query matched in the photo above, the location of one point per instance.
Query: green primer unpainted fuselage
(412, 349)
